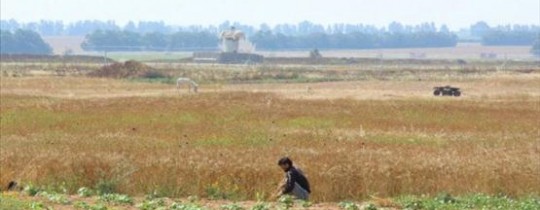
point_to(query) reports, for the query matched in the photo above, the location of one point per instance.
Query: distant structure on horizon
(230, 40)
(235, 49)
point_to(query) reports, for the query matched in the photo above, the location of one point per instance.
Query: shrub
(189, 206)
(261, 206)
(105, 187)
(31, 190)
(347, 205)
(151, 202)
(81, 205)
(84, 192)
(370, 207)
(55, 198)
(286, 201)
(193, 199)
(98, 207)
(37, 206)
(445, 198)
(153, 75)
(232, 206)
(306, 204)
(116, 199)
(414, 205)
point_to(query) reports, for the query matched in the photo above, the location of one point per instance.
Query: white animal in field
(193, 86)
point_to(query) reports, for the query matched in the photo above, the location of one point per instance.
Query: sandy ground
(492, 87)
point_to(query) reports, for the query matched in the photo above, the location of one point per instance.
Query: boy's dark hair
(285, 160)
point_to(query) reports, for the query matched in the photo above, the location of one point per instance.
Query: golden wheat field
(354, 140)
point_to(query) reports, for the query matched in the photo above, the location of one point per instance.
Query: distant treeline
(131, 41)
(23, 42)
(84, 27)
(510, 38)
(273, 41)
(489, 35)
(157, 36)
(505, 35)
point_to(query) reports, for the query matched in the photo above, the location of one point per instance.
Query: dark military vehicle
(447, 91)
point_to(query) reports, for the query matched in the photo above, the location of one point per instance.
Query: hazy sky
(455, 13)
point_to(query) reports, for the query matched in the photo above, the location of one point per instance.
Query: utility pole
(105, 60)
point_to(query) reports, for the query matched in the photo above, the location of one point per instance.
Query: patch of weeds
(305, 204)
(152, 204)
(214, 192)
(62, 188)
(232, 206)
(479, 201)
(55, 198)
(153, 75)
(348, 205)
(31, 190)
(414, 205)
(37, 206)
(81, 205)
(370, 207)
(85, 206)
(286, 202)
(193, 199)
(445, 198)
(529, 204)
(105, 187)
(188, 206)
(153, 195)
(116, 199)
(10, 201)
(261, 206)
(260, 196)
(98, 207)
(85, 192)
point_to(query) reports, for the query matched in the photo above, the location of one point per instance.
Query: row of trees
(510, 38)
(357, 40)
(23, 42)
(505, 35)
(131, 41)
(480, 31)
(81, 28)
(59, 28)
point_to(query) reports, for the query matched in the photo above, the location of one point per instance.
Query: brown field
(355, 139)
(61, 44)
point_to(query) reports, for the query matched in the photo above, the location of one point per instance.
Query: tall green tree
(23, 42)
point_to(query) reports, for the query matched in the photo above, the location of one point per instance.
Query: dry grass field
(355, 140)
(495, 86)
